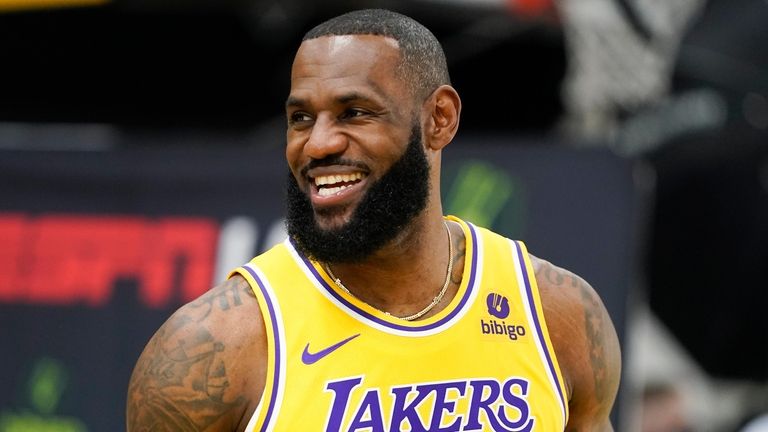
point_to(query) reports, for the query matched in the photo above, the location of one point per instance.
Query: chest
(483, 363)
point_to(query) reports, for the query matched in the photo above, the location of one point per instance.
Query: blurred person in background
(379, 312)
(755, 423)
(663, 409)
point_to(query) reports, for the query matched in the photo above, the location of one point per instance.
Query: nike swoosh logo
(309, 358)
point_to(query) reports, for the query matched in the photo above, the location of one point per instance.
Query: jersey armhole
(265, 414)
(533, 298)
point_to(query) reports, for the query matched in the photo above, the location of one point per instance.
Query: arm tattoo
(180, 382)
(227, 297)
(593, 319)
(555, 277)
(594, 322)
(180, 386)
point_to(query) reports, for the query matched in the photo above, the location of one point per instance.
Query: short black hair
(422, 60)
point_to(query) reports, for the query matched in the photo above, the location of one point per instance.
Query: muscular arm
(585, 343)
(203, 369)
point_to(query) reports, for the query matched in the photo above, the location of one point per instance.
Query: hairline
(416, 46)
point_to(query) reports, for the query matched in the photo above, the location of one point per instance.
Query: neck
(407, 274)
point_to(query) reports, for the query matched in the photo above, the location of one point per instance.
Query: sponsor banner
(99, 248)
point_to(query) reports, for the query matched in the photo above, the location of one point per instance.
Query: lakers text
(474, 404)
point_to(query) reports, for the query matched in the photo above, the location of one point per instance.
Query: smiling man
(379, 313)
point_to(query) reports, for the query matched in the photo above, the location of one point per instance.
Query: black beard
(387, 208)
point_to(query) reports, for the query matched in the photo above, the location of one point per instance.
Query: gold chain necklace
(437, 298)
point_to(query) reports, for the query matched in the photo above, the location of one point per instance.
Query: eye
(354, 112)
(298, 117)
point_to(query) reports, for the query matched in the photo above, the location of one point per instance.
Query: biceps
(180, 381)
(603, 351)
(598, 378)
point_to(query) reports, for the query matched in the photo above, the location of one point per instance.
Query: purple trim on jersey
(464, 299)
(276, 336)
(539, 331)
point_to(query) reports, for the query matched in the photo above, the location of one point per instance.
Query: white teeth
(338, 178)
(323, 181)
(330, 191)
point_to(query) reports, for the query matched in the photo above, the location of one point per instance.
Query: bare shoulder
(585, 343)
(204, 368)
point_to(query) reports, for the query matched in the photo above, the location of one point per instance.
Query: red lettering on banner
(12, 233)
(191, 240)
(67, 259)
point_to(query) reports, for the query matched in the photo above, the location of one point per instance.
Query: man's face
(345, 102)
(350, 120)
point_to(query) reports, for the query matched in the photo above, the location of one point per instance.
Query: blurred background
(627, 140)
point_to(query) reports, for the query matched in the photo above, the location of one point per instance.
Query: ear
(443, 109)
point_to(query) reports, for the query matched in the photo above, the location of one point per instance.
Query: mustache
(332, 160)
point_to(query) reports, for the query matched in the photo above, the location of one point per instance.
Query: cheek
(293, 156)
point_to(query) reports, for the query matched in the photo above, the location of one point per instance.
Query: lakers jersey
(484, 363)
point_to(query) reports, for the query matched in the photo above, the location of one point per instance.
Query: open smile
(335, 188)
(332, 184)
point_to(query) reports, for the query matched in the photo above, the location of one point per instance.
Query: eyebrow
(293, 101)
(346, 98)
(353, 96)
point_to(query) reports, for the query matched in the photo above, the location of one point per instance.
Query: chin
(333, 219)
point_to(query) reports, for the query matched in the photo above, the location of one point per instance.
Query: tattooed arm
(204, 369)
(585, 343)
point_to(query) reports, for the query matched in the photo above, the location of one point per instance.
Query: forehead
(353, 62)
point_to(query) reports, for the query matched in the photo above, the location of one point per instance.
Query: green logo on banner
(487, 196)
(46, 384)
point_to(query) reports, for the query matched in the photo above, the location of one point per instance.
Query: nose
(325, 139)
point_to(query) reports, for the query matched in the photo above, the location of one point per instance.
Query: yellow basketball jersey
(484, 363)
